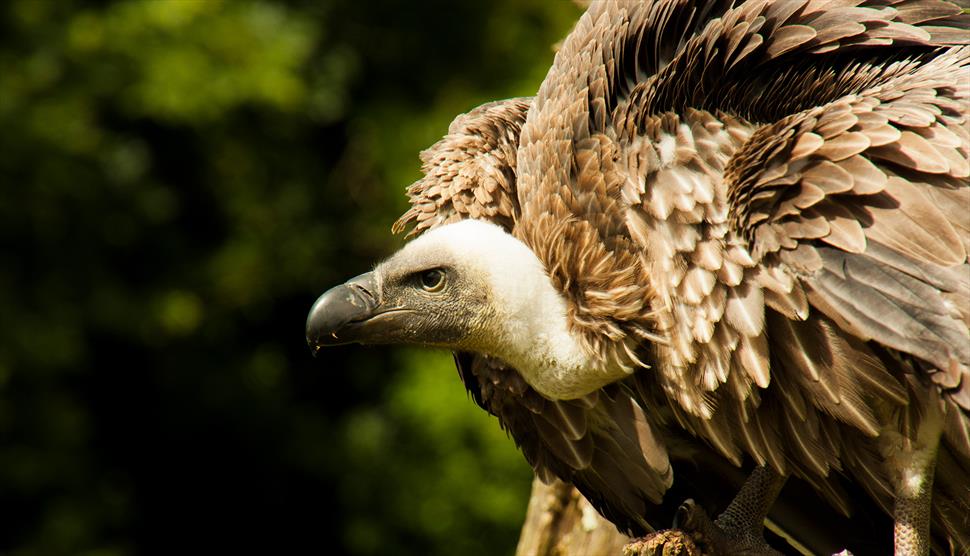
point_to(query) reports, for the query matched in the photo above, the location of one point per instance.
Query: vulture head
(466, 286)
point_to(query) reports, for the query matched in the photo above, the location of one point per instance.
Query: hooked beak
(350, 312)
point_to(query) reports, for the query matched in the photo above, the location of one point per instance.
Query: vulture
(722, 236)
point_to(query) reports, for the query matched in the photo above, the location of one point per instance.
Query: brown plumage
(453, 188)
(761, 212)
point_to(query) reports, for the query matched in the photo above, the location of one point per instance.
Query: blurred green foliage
(180, 180)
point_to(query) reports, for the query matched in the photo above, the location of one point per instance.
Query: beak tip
(336, 310)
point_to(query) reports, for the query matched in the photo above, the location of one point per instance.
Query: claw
(739, 530)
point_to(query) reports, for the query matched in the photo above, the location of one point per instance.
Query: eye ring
(433, 280)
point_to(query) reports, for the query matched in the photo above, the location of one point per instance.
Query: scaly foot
(721, 537)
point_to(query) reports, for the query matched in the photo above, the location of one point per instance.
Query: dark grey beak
(347, 313)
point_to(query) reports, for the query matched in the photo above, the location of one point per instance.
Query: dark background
(180, 180)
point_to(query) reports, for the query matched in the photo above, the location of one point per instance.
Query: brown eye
(433, 280)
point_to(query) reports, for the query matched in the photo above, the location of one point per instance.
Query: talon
(682, 518)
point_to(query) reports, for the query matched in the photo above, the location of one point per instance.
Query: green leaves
(180, 180)
(422, 462)
(196, 60)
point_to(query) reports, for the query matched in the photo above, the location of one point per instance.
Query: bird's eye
(433, 280)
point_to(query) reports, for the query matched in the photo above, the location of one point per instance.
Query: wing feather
(471, 171)
(605, 443)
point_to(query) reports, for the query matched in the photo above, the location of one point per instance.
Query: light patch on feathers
(912, 460)
(913, 481)
(530, 328)
(667, 147)
(697, 265)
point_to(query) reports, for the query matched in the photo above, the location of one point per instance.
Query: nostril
(366, 286)
(366, 292)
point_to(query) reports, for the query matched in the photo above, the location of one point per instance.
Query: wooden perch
(561, 522)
